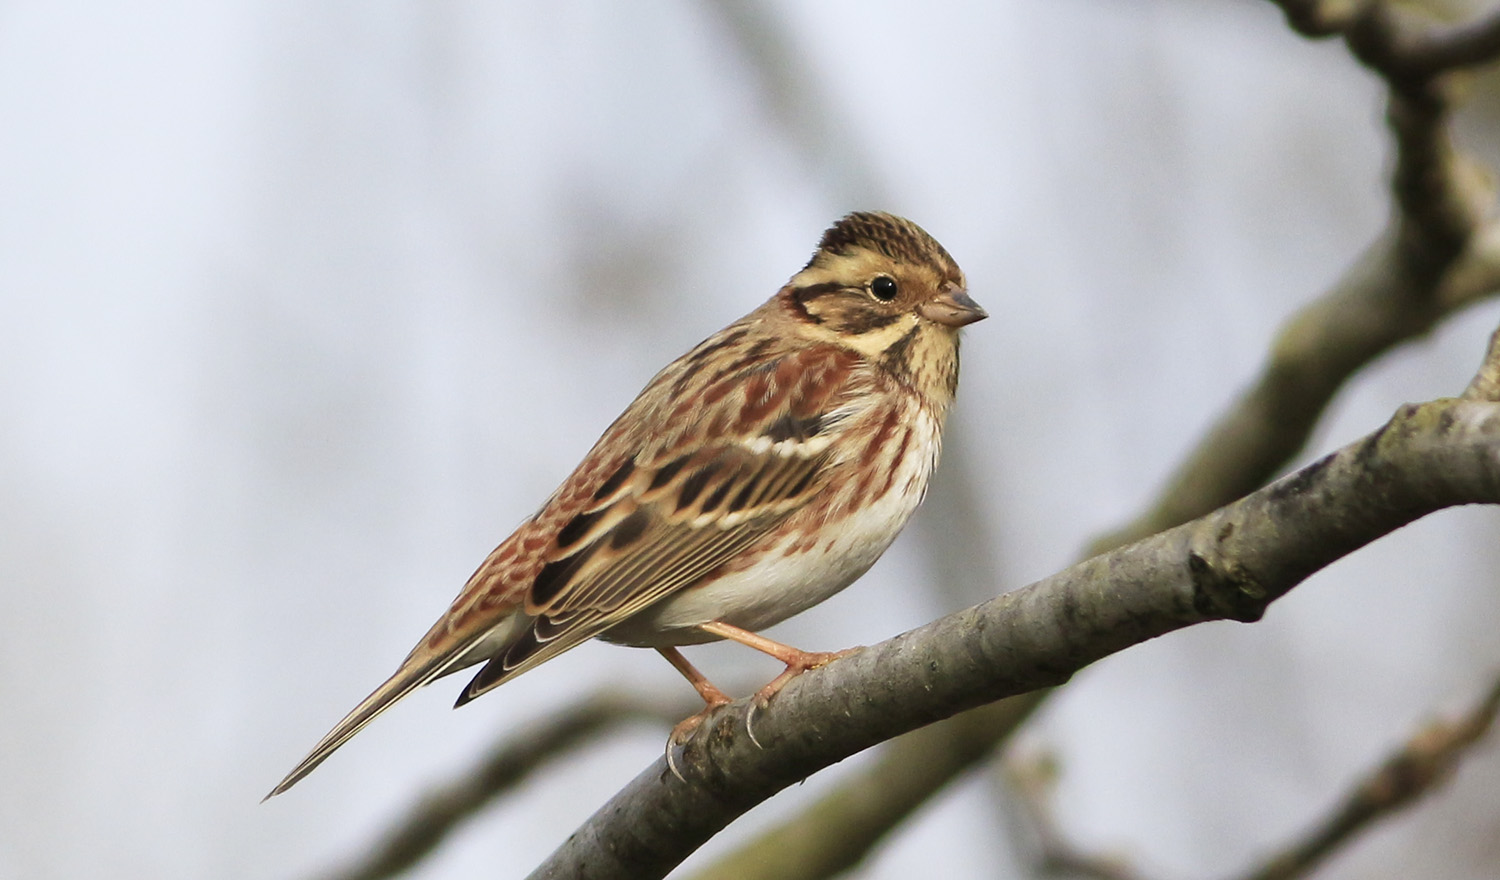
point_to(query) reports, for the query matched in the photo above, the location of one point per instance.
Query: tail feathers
(522, 653)
(407, 679)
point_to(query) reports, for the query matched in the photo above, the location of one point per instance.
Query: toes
(684, 729)
(677, 741)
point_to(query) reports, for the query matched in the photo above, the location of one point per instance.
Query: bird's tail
(408, 678)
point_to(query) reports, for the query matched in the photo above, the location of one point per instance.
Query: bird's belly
(785, 580)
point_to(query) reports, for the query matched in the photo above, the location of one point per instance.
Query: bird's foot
(678, 740)
(797, 662)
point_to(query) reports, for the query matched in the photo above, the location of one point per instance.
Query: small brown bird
(754, 477)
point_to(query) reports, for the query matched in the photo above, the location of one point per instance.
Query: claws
(678, 740)
(800, 664)
(671, 758)
(754, 707)
(797, 662)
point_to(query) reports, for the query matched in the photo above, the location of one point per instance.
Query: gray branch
(1230, 564)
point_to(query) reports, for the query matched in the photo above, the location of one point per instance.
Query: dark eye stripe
(864, 321)
(813, 291)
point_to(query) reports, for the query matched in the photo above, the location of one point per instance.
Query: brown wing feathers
(671, 515)
(623, 533)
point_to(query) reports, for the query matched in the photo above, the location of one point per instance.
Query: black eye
(883, 288)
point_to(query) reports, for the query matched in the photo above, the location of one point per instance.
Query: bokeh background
(304, 306)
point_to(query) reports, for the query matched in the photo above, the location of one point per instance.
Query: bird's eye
(883, 288)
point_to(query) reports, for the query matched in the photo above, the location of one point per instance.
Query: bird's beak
(953, 307)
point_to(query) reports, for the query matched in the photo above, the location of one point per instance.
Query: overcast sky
(305, 306)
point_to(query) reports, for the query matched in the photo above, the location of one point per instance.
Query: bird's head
(876, 277)
(882, 286)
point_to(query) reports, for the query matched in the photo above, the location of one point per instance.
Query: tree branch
(834, 834)
(1437, 256)
(1228, 565)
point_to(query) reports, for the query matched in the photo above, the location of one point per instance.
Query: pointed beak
(953, 307)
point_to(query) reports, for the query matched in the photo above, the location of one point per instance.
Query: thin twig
(1418, 768)
(1423, 764)
(1321, 18)
(1486, 382)
(1467, 45)
(1032, 781)
(1436, 257)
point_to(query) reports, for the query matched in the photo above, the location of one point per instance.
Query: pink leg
(712, 696)
(797, 661)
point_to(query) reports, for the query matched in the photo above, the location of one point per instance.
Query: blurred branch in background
(1032, 779)
(512, 761)
(838, 831)
(1419, 767)
(1422, 765)
(1439, 254)
(813, 123)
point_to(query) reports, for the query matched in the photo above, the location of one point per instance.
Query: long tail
(406, 679)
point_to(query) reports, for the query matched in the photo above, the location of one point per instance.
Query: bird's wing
(669, 494)
(760, 449)
(680, 520)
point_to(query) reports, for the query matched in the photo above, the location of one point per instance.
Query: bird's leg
(712, 697)
(797, 662)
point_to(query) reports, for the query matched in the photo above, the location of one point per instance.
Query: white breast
(780, 584)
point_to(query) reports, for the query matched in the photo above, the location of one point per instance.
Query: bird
(753, 477)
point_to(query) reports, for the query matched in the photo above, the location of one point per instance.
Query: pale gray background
(303, 306)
